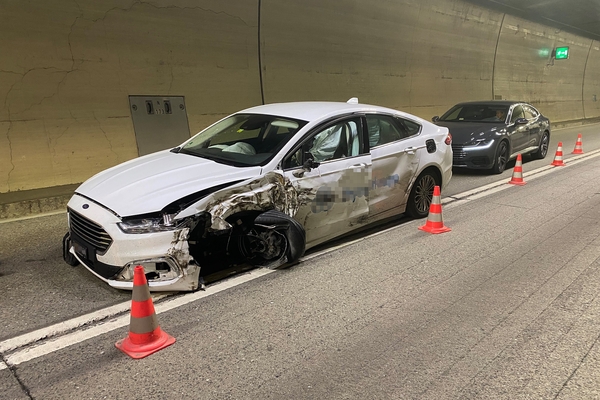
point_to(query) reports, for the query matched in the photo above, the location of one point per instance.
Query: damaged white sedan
(256, 188)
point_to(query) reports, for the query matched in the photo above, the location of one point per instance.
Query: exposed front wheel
(501, 158)
(272, 240)
(421, 194)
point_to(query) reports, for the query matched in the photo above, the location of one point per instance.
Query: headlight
(483, 143)
(150, 225)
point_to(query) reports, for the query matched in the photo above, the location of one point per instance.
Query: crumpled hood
(147, 184)
(465, 133)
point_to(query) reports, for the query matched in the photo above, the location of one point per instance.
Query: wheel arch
(435, 170)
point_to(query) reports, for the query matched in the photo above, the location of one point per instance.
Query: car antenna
(353, 100)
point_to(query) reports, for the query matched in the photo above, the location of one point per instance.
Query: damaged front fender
(271, 191)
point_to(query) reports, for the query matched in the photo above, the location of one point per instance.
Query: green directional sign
(561, 53)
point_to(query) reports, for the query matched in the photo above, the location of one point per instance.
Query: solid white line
(494, 187)
(54, 344)
(3, 221)
(66, 326)
(57, 342)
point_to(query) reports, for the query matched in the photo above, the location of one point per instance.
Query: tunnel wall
(68, 68)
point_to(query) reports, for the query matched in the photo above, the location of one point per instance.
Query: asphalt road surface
(503, 306)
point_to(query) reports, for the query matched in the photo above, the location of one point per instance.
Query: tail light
(448, 140)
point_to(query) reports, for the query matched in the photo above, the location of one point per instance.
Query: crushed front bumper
(111, 255)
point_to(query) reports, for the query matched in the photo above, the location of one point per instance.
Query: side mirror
(521, 121)
(435, 119)
(308, 165)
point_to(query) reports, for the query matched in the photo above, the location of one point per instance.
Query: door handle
(360, 165)
(410, 150)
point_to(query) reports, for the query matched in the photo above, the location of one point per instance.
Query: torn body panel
(271, 191)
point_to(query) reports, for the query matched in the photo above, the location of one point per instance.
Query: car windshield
(476, 113)
(243, 139)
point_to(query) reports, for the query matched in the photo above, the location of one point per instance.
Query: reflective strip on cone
(517, 177)
(558, 159)
(434, 222)
(145, 336)
(578, 145)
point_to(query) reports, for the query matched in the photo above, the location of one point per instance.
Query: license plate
(80, 250)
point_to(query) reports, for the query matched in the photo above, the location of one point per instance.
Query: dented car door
(396, 149)
(331, 174)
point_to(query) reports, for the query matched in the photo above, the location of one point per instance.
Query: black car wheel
(501, 158)
(421, 195)
(543, 148)
(273, 239)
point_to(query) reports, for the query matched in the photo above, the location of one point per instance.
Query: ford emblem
(86, 206)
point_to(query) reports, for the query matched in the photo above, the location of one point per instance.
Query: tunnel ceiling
(581, 17)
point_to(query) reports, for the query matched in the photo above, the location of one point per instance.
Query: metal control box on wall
(159, 122)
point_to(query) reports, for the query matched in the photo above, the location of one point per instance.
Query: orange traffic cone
(434, 222)
(517, 177)
(558, 160)
(145, 336)
(578, 149)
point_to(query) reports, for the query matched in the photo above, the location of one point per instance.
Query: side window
(382, 130)
(385, 129)
(516, 114)
(411, 128)
(339, 140)
(530, 113)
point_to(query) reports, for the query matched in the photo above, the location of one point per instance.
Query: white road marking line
(500, 185)
(66, 326)
(60, 342)
(3, 221)
(54, 340)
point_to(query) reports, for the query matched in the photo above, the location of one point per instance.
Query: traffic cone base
(517, 177)
(578, 145)
(145, 336)
(434, 222)
(558, 160)
(433, 229)
(160, 340)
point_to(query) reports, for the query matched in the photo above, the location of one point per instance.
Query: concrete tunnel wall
(68, 67)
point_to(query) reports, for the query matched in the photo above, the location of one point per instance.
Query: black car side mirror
(521, 121)
(435, 119)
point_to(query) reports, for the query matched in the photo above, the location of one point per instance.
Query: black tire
(286, 228)
(501, 159)
(67, 256)
(542, 150)
(421, 194)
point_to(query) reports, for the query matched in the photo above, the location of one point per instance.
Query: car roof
(316, 110)
(493, 102)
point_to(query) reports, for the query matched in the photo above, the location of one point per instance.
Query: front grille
(458, 152)
(89, 231)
